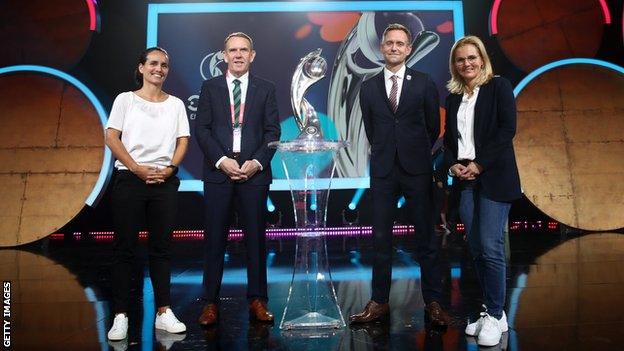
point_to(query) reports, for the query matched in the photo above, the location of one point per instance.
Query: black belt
(236, 155)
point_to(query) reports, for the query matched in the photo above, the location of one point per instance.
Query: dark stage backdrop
(281, 35)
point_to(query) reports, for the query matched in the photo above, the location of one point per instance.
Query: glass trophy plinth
(309, 166)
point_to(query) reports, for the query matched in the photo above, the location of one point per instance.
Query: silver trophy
(309, 164)
(310, 70)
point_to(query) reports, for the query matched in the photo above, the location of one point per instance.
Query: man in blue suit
(237, 117)
(400, 111)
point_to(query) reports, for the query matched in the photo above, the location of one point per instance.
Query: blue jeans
(484, 220)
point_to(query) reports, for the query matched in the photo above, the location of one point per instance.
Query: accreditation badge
(237, 140)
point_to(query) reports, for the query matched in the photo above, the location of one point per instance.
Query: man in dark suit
(237, 117)
(400, 111)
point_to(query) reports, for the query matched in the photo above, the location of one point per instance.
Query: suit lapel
(381, 85)
(251, 93)
(405, 89)
(478, 119)
(451, 119)
(225, 99)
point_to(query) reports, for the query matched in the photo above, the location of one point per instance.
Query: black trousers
(136, 204)
(250, 201)
(417, 192)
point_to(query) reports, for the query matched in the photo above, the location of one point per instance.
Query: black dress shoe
(435, 315)
(372, 312)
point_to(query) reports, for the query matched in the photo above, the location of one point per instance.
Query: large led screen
(348, 33)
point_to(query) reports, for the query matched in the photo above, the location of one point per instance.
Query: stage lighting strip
(154, 10)
(285, 233)
(93, 16)
(494, 15)
(571, 61)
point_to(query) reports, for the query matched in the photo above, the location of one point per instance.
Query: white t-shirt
(148, 129)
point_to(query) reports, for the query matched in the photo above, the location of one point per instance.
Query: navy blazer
(408, 133)
(214, 131)
(494, 129)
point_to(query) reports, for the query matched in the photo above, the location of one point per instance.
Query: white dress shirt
(400, 76)
(244, 83)
(465, 126)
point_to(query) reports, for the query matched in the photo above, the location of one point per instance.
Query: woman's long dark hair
(138, 76)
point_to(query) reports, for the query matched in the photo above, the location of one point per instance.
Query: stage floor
(565, 292)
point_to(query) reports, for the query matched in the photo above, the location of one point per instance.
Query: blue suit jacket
(408, 133)
(494, 129)
(213, 127)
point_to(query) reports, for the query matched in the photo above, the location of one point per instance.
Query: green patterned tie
(237, 102)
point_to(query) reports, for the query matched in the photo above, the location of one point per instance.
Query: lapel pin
(408, 77)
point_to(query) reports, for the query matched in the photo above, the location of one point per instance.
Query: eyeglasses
(463, 60)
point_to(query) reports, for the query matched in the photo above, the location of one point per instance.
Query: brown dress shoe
(209, 314)
(372, 312)
(436, 316)
(258, 311)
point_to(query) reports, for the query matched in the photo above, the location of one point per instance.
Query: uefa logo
(208, 68)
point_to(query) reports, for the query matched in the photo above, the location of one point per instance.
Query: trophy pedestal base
(311, 299)
(311, 303)
(313, 320)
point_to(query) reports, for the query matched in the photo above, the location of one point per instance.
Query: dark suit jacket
(408, 133)
(494, 129)
(213, 127)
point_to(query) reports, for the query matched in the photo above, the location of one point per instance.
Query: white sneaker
(503, 323)
(168, 321)
(491, 330)
(473, 329)
(119, 330)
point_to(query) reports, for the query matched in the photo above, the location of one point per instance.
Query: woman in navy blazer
(480, 126)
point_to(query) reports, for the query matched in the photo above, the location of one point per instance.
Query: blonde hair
(456, 84)
(397, 26)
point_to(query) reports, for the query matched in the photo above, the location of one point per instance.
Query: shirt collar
(400, 73)
(475, 93)
(243, 79)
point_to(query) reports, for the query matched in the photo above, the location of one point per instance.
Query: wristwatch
(174, 169)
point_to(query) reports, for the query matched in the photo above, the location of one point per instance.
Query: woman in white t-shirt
(148, 132)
